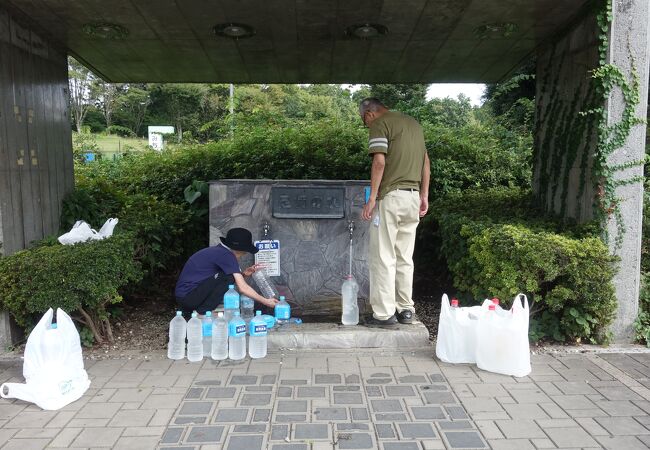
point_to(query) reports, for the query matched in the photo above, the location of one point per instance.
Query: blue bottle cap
(179, 313)
(282, 298)
(208, 313)
(54, 326)
(258, 313)
(231, 286)
(194, 314)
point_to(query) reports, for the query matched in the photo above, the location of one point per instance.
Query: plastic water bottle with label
(375, 220)
(264, 283)
(194, 339)
(219, 338)
(257, 342)
(177, 332)
(230, 302)
(349, 307)
(207, 333)
(236, 337)
(247, 307)
(282, 311)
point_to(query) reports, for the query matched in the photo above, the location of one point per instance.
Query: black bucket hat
(239, 239)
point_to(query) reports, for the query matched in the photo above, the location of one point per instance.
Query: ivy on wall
(575, 129)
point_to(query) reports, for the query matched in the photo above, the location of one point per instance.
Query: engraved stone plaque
(293, 202)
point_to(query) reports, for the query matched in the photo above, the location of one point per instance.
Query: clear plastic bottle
(206, 322)
(236, 337)
(247, 308)
(349, 307)
(230, 302)
(257, 342)
(219, 337)
(177, 332)
(194, 339)
(264, 283)
(282, 310)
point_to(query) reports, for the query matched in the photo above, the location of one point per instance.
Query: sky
(442, 90)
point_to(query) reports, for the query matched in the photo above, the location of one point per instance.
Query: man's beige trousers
(392, 239)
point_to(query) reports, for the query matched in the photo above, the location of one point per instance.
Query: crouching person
(208, 272)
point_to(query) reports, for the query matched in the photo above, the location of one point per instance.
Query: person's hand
(252, 269)
(424, 206)
(270, 302)
(366, 214)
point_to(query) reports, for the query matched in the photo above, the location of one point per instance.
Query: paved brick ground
(356, 399)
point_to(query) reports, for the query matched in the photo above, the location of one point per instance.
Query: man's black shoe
(381, 323)
(405, 316)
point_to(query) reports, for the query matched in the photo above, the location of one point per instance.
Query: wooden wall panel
(36, 169)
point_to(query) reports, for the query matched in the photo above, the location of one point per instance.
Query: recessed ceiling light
(496, 30)
(106, 30)
(234, 30)
(366, 31)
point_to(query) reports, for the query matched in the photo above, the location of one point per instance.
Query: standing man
(399, 192)
(207, 274)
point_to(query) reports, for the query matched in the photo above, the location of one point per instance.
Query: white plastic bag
(502, 340)
(82, 232)
(107, 229)
(456, 342)
(53, 365)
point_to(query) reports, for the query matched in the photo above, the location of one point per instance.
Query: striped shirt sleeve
(378, 140)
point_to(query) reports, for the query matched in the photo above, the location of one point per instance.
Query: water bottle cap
(282, 298)
(492, 307)
(495, 301)
(258, 313)
(349, 277)
(231, 286)
(194, 314)
(179, 313)
(208, 313)
(54, 326)
(454, 302)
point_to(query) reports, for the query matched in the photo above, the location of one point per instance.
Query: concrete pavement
(343, 399)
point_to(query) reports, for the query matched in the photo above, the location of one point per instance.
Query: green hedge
(82, 279)
(495, 245)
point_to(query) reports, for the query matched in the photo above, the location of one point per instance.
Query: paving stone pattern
(333, 400)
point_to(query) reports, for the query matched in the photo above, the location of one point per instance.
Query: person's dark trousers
(206, 296)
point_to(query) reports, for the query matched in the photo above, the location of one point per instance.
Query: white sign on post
(156, 136)
(269, 256)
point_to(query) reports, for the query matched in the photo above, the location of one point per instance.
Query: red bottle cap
(454, 302)
(495, 301)
(492, 307)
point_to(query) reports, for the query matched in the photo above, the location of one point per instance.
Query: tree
(133, 103)
(403, 97)
(107, 99)
(82, 96)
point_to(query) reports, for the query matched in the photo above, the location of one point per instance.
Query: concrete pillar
(36, 167)
(566, 141)
(629, 45)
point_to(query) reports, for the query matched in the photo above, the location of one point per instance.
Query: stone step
(335, 336)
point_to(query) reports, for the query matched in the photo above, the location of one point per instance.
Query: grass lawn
(109, 145)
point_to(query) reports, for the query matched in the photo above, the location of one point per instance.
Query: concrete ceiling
(302, 41)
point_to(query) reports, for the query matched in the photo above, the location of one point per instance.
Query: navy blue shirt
(203, 265)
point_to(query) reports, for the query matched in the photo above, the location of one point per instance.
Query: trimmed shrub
(495, 246)
(83, 279)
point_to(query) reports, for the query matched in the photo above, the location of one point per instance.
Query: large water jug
(282, 311)
(219, 337)
(206, 322)
(264, 283)
(236, 337)
(257, 342)
(350, 307)
(247, 308)
(230, 302)
(194, 338)
(177, 331)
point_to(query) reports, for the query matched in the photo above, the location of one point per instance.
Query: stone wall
(314, 253)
